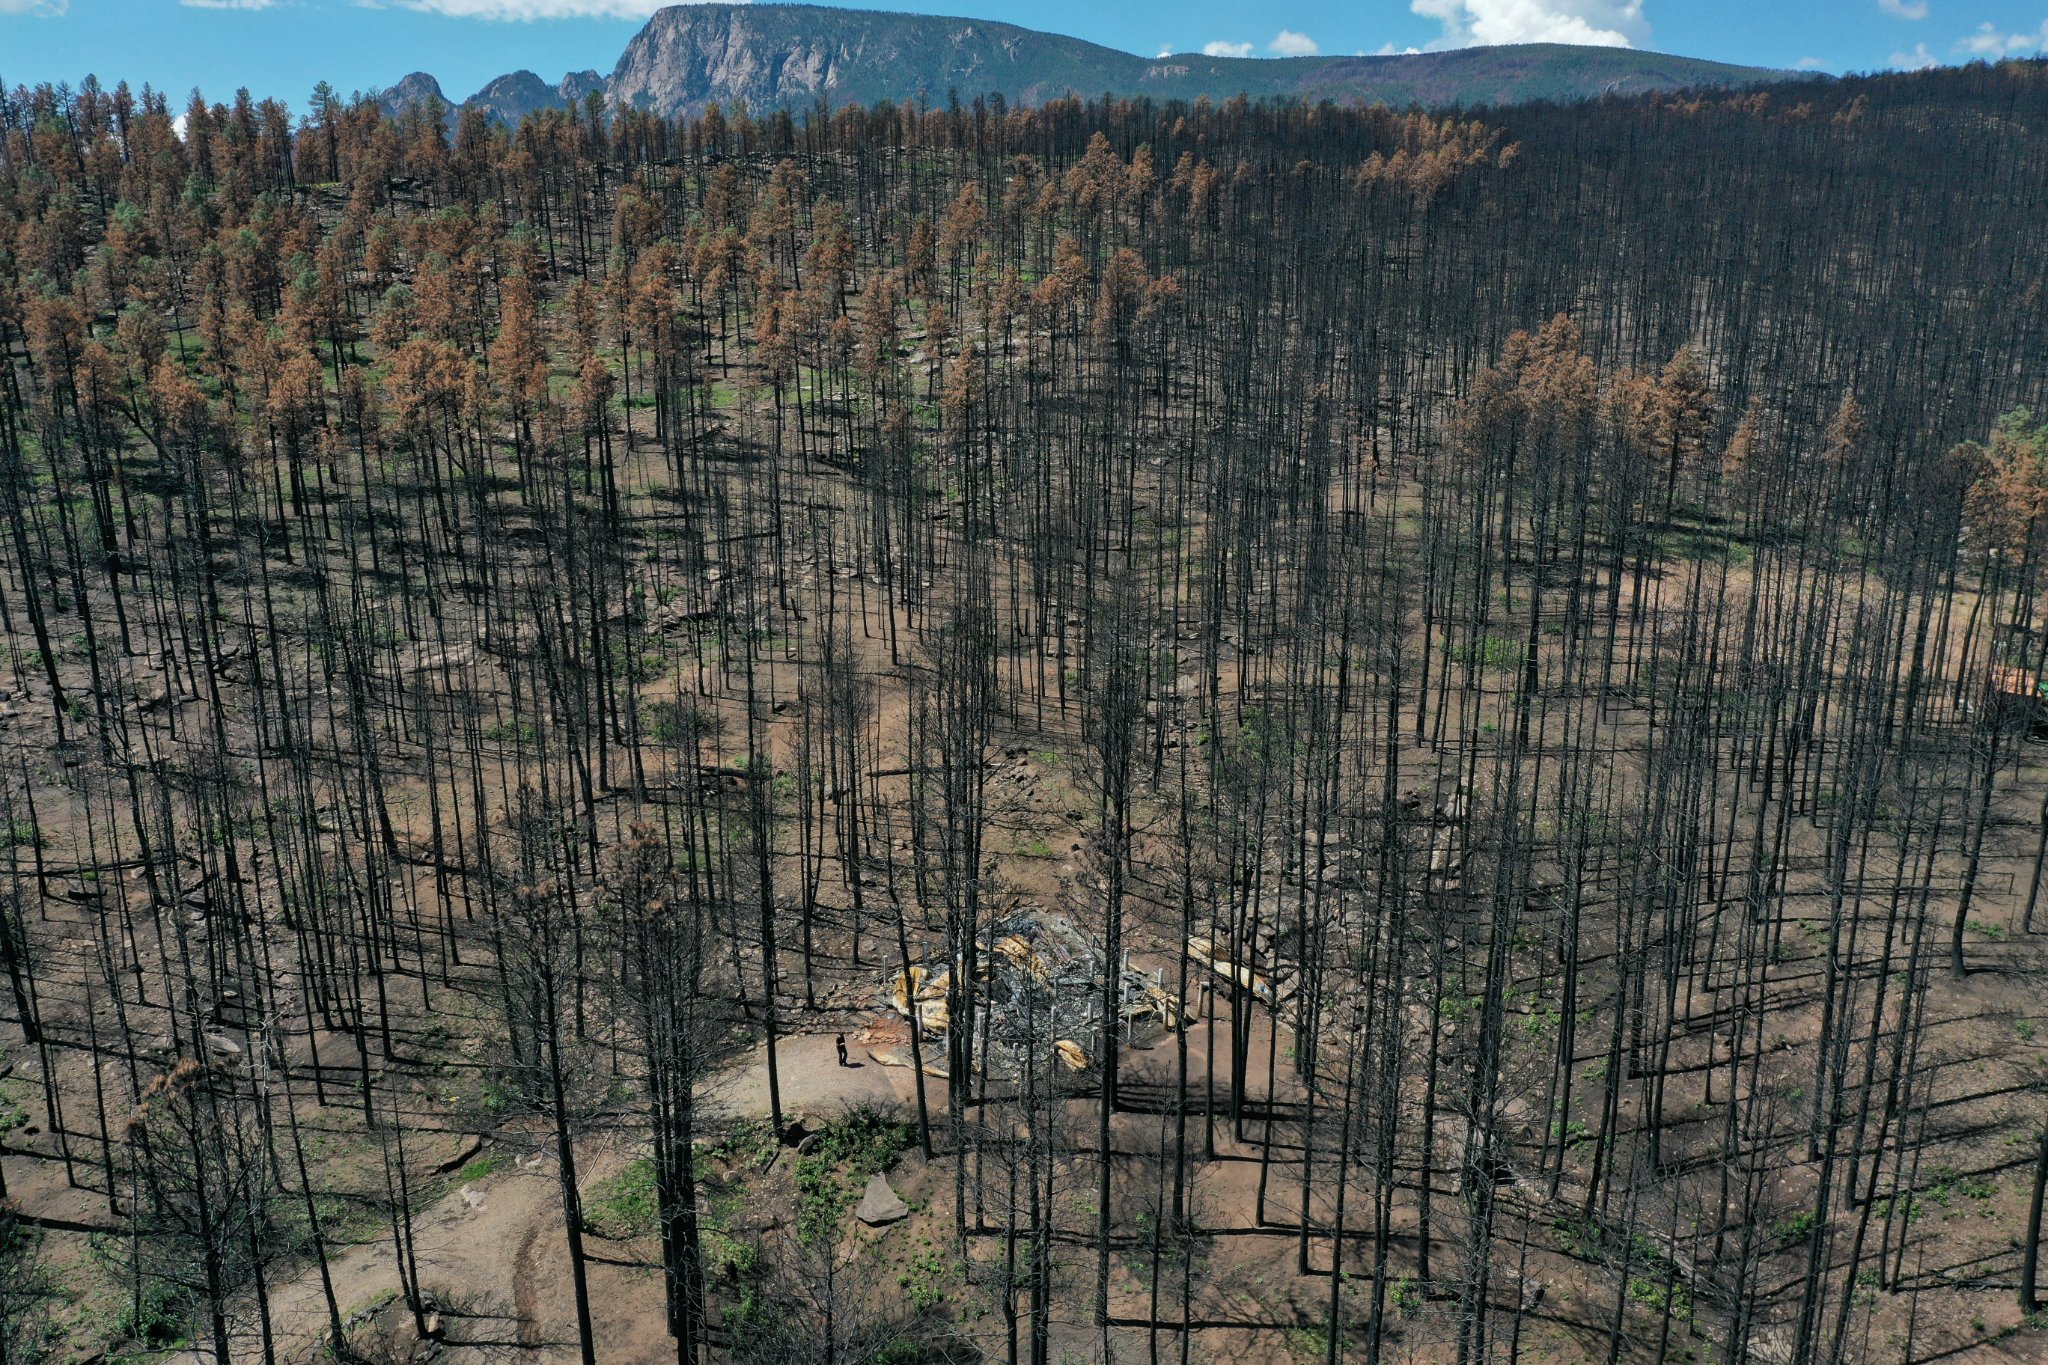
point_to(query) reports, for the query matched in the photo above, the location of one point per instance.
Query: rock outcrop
(509, 99)
(418, 88)
(788, 56)
(578, 85)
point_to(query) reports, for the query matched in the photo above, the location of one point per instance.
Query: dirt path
(462, 1242)
(526, 1303)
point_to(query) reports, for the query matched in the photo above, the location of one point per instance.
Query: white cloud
(1165, 50)
(42, 9)
(1987, 41)
(1219, 48)
(1919, 59)
(1808, 64)
(227, 4)
(1904, 9)
(538, 9)
(1288, 43)
(1487, 23)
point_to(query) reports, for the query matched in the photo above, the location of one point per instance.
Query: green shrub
(861, 1143)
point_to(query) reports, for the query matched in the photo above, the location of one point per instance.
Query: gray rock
(881, 1205)
(578, 84)
(508, 99)
(417, 88)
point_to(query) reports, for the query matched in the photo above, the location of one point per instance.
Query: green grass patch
(626, 1205)
(482, 1168)
(1493, 651)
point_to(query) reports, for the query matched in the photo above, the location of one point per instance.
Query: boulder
(881, 1205)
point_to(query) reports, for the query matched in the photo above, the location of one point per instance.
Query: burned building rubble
(1037, 1000)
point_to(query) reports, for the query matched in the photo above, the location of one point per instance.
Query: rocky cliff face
(788, 56)
(689, 56)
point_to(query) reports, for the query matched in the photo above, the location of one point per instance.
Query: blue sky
(281, 47)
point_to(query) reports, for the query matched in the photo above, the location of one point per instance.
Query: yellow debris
(1204, 952)
(1014, 947)
(922, 984)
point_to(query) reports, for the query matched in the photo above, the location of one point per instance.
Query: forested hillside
(1113, 731)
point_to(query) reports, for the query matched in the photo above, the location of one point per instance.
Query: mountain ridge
(791, 56)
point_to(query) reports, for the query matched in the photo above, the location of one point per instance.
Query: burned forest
(946, 732)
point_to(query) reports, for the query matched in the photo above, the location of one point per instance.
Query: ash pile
(1038, 985)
